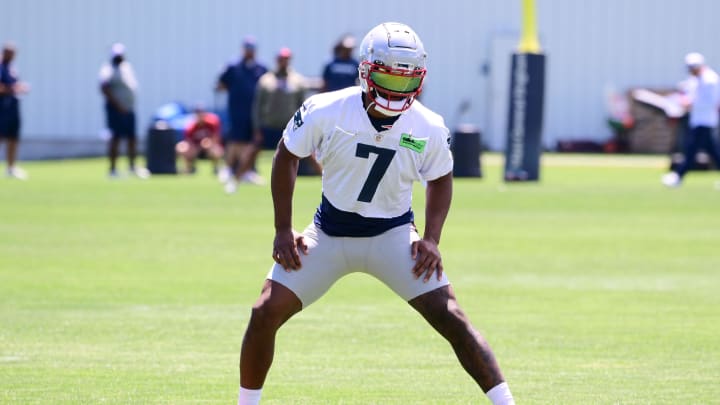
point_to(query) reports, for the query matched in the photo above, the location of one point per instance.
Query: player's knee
(181, 147)
(455, 313)
(267, 314)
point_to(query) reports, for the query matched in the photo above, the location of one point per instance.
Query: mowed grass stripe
(595, 285)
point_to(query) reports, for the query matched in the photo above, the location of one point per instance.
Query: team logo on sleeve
(297, 120)
(414, 144)
(298, 117)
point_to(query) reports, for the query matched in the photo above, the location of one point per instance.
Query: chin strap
(386, 112)
(391, 113)
(381, 109)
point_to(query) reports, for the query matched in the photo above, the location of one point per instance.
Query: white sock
(501, 395)
(249, 397)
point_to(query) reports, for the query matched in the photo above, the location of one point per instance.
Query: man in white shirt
(373, 142)
(118, 86)
(703, 96)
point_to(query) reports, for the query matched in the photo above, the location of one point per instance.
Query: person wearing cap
(703, 100)
(10, 88)
(342, 70)
(202, 136)
(118, 86)
(239, 79)
(278, 95)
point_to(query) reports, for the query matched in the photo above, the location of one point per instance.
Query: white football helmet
(392, 67)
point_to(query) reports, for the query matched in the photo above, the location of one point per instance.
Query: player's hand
(21, 88)
(285, 249)
(427, 258)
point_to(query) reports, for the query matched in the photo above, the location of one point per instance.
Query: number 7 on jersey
(384, 157)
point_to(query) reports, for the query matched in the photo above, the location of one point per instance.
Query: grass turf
(594, 286)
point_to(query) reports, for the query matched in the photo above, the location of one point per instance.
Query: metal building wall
(178, 47)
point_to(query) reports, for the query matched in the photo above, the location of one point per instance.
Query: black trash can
(160, 151)
(465, 146)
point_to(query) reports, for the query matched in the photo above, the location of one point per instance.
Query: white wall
(179, 46)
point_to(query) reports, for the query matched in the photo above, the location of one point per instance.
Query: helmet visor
(396, 82)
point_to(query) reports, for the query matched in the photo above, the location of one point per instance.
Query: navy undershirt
(336, 222)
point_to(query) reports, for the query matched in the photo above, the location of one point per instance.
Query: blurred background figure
(239, 80)
(202, 138)
(703, 100)
(342, 70)
(279, 93)
(10, 88)
(119, 86)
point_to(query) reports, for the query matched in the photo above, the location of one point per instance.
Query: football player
(373, 141)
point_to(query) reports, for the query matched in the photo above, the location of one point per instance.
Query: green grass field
(595, 286)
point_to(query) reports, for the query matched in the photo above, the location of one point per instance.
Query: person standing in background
(342, 71)
(703, 99)
(10, 88)
(118, 86)
(279, 94)
(240, 79)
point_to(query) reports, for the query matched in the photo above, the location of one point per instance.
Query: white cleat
(671, 179)
(224, 175)
(141, 173)
(231, 186)
(253, 178)
(16, 173)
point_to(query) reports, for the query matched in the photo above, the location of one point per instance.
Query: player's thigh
(186, 150)
(390, 260)
(320, 268)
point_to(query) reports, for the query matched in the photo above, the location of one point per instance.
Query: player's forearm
(282, 184)
(438, 196)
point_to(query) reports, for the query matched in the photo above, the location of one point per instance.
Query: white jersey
(704, 93)
(367, 172)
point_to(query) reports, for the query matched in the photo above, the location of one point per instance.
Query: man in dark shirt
(342, 71)
(10, 88)
(240, 79)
